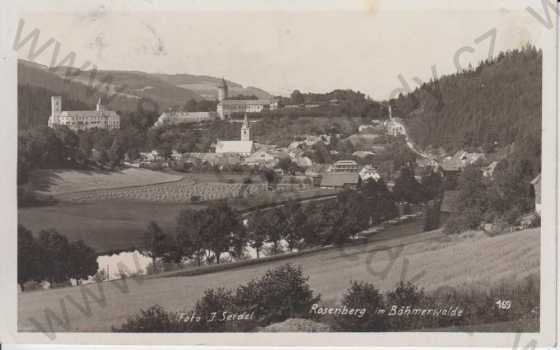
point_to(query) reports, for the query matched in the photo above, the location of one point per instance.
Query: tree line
(51, 257)
(205, 235)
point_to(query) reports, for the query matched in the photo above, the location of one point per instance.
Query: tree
(275, 228)
(55, 259)
(314, 224)
(407, 188)
(28, 257)
(297, 98)
(257, 231)
(432, 185)
(225, 231)
(347, 216)
(294, 217)
(281, 293)
(191, 227)
(379, 200)
(156, 243)
(362, 295)
(83, 261)
(61, 260)
(472, 201)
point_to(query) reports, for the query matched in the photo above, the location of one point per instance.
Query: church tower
(222, 90)
(99, 106)
(245, 130)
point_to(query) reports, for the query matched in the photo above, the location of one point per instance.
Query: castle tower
(222, 90)
(245, 130)
(56, 105)
(56, 108)
(390, 113)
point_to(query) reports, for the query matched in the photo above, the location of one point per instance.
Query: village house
(262, 157)
(368, 172)
(345, 166)
(176, 117)
(341, 180)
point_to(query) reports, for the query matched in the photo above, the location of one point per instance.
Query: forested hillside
(493, 105)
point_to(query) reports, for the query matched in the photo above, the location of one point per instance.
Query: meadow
(472, 261)
(111, 210)
(104, 225)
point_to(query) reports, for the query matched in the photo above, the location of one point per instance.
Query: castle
(101, 117)
(227, 107)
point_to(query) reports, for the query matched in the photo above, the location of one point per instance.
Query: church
(227, 107)
(101, 117)
(244, 146)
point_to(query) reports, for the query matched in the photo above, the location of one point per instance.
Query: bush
(154, 319)
(407, 294)
(210, 308)
(469, 219)
(280, 294)
(362, 295)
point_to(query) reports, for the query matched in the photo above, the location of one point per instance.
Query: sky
(280, 46)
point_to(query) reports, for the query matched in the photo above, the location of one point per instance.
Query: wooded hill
(125, 89)
(493, 105)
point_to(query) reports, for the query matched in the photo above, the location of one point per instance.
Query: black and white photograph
(347, 167)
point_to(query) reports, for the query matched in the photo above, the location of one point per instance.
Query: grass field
(431, 259)
(104, 225)
(55, 182)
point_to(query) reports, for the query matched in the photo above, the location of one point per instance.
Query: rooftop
(234, 147)
(339, 179)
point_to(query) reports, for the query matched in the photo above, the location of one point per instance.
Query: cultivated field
(431, 259)
(110, 211)
(56, 182)
(175, 192)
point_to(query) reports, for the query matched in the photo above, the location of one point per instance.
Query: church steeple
(99, 106)
(245, 130)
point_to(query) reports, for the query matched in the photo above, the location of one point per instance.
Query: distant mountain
(205, 86)
(127, 88)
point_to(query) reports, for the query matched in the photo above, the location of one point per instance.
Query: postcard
(228, 173)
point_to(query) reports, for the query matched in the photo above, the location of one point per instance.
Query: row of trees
(346, 102)
(207, 234)
(51, 257)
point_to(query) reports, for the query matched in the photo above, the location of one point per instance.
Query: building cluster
(178, 117)
(227, 107)
(100, 118)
